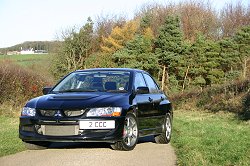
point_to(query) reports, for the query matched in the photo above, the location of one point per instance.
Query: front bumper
(29, 130)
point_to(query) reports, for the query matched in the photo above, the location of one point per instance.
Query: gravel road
(146, 153)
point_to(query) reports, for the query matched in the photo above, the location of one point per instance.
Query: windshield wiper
(77, 90)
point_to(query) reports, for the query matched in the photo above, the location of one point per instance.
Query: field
(36, 62)
(10, 143)
(27, 60)
(202, 138)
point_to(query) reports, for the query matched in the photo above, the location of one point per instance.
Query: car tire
(165, 137)
(36, 145)
(130, 134)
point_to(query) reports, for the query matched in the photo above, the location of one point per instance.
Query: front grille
(66, 113)
(60, 130)
(48, 112)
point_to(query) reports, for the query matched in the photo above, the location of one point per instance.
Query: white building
(29, 51)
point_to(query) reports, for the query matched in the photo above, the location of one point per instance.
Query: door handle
(150, 99)
(162, 98)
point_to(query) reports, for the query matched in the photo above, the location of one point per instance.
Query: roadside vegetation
(205, 138)
(17, 85)
(212, 127)
(185, 46)
(10, 142)
(19, 82)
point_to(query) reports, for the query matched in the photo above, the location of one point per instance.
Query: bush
(225, 97)
(246, 107)
(232, 97)
(18, 84)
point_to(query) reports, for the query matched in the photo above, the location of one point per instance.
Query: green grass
(27, 60)
(202, 138)
(9, 141)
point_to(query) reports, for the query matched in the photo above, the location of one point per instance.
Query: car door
(143, 103)
(155, 114)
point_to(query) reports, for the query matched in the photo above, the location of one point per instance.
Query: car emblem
(58, 114)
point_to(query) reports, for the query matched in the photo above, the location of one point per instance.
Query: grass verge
(202, 138)
(10, 142)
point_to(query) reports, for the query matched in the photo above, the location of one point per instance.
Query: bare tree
(233, 17)
(198, 17)
(156, 13)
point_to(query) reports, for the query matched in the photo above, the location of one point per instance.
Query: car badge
(58, 114)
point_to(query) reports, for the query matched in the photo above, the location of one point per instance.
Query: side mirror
(142, 90)
(46, 90)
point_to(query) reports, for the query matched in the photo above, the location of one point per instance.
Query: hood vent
(73, 96)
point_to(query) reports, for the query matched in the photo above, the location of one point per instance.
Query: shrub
(232, 97)
(18, 84)
(246, 107)
(225, 97)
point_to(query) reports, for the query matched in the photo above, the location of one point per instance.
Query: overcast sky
(38, 20)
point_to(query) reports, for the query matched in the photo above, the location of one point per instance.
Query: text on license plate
(107, 124)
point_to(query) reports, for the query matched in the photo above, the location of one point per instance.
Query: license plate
(107, 124)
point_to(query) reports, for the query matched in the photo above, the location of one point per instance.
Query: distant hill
(50, 46)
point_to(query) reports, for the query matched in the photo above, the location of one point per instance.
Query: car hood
(79, 100)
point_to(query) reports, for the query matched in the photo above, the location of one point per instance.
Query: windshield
(94, 81)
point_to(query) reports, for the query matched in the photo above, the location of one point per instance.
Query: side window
(153, 88)
(139, 80)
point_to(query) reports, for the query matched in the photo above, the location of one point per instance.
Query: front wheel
(130, 134)
(165, 137)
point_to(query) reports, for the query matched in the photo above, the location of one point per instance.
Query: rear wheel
(165, 137)
(36, 145)
(130, 134)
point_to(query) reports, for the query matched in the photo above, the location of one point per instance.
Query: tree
(233, 17)
(100, 60)
(104, 26)
(77, 46)
(169, 45)
(119, 36)
(230, 63)
(153, 15)
(242, 40)
(206, 62)
(86, 41)
(138, 54)
(198, 17)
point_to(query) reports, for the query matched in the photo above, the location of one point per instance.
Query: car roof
(112, 69)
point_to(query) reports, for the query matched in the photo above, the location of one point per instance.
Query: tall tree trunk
(163, 78)
(159, 75)
(183, 85)
(244, 66)
(167, 78)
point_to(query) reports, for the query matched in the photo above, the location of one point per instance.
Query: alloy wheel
(168, 128)
(130, 131)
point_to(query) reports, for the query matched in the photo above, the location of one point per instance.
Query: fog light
(39, 129)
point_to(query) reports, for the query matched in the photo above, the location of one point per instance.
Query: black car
(98, 105)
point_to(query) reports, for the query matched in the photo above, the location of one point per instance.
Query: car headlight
(26, 111)
(105, 111)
